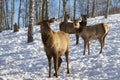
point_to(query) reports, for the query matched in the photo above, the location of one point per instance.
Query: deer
(93, 32)
(55, 44)
(70, 28)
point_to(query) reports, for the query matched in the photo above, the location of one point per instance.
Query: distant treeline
(18, 11)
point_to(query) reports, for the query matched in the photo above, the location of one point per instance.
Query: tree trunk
(31, 21)
(74, 9)
(4, 15)
(12, 16)
(59, 9)
(27, 13)
(0, 15)
(88, 2)
(47, 9)
(40, 10)
(19, 13)
(64, 10)
(107, 9)
(36, 9)
(94, 9)
(43, 10)
(7, 16)
(82, 7)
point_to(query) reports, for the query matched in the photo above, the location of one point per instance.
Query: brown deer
(70, 28)
(55, 45)
(94, 32)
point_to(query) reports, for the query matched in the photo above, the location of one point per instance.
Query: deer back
(67, 27)
(95, 31)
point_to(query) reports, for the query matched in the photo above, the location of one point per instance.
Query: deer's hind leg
(55, 57)
(67, 60)
(88, 47)
(59, 62)
(101, 40)
(104, 39)
(85, 43)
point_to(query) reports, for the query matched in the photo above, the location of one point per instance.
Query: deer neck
(82, 26)
(83, 23)
(45, 34)
(83, 30)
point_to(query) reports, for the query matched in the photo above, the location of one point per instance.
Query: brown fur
(67, 27)
(71, 28)
(98, 31)
(55, 44)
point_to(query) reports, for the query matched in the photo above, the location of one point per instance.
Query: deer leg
(59, 64)
(88, 48)
(104, 40)
(60, 61)
(67, 60)
(84, 47)
(77, 39)
(50, 65)
(56, 65)
(101, 44)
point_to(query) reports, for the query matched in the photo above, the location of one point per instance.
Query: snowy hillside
(20, 60)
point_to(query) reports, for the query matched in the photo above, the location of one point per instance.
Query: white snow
(20, 60)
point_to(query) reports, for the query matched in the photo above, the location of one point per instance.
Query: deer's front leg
(84, 47)
(50, 65)
(56, 65)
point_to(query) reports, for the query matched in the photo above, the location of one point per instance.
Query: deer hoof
(55, 75)
(68, 72)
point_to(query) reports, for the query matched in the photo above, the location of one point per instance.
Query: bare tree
(31, 21)
(43, 9)
(7, 15)
(94, 8)
(74, 9)
(27, 13)
(0, 15)
(19, 12)
(40, 10)
(47, 9)
(107, 9)
(12, 16)
(3, 15)
(59, 9)
(36, 9)
(82, 6)
(88, 2)
(64, 9)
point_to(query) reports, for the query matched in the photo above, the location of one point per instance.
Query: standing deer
(72, 27)
(55, 45)
(94, 32)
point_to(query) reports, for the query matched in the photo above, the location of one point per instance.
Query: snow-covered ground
(20, 60)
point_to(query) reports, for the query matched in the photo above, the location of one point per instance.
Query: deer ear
(51, 20)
